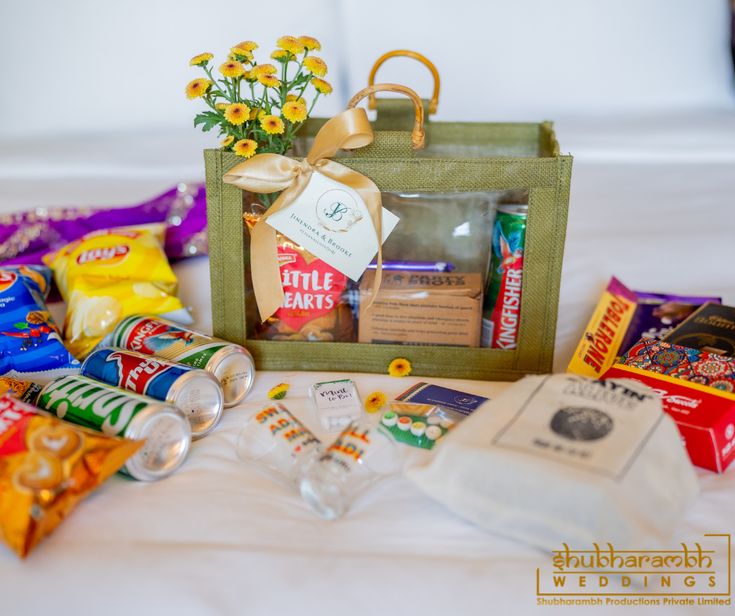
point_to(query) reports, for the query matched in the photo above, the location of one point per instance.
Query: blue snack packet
(30, 343)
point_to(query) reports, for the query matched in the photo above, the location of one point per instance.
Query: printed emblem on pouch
(581, 423)
(6, 280)
(337, 210)
(109, 254)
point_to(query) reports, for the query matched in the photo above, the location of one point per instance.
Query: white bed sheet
(218, 538)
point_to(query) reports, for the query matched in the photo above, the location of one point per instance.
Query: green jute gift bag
(448, 189)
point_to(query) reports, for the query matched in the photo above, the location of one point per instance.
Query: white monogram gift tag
(332, 222)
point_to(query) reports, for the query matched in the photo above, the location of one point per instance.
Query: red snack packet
(315, 305)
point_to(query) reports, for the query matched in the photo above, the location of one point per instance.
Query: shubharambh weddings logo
(697, 573)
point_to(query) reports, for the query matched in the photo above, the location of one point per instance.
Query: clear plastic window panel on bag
(452, 273)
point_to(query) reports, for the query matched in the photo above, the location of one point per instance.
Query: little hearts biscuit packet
(46, 467)
(315, 307)
(110, 274)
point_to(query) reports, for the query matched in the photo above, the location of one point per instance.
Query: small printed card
(426, 393)
(331, 221)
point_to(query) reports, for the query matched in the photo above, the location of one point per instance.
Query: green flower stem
(308, 113)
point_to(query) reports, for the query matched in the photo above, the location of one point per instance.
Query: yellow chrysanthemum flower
(221, 106)
(400, 366)
(281, 55)
(272, 125)
(246, 46)
(375, 401)
(295, 97)
(269, 81)
(263, 69)
(237, 113)
(294, 111)
(232, 69)
(310, 43)
(227, 141)
(245, 148)
(291, 44)
(316, 66)
(321, 86)
(197, 88)
(248, 75)
(241, 54)
(278, 392)
(201, 59)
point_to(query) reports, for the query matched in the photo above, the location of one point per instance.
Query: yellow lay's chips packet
(110, 274)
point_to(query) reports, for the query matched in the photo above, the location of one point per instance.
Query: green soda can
(86, 402)
(502, 304)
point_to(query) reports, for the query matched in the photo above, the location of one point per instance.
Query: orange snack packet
(46, 467)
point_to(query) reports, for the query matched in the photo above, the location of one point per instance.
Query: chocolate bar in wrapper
(711, 328)
(623, 316)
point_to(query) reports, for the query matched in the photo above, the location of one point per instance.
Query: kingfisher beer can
(86, 402)
(502, 304)
(230, 363)
(195, 392)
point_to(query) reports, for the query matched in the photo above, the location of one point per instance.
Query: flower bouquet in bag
(258, 108)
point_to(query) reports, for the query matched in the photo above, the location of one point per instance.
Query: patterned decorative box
(697, 389)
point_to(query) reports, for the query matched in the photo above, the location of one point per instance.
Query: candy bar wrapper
(623, 316)
(658, 314)
(26, 237)
(697, 389)
(605, 332)
(46, 467)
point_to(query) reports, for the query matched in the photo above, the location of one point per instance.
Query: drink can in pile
(116, 412)
(502, 305)
(230, 363)
(195, 392)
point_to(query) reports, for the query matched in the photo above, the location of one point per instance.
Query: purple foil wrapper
(25, 237)
(415, 266)
(657, 314)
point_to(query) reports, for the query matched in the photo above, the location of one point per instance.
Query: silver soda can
(195, 392)
(230, 363)
(86, 402)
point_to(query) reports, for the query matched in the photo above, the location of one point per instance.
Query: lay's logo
(110, 255)
(7, 279)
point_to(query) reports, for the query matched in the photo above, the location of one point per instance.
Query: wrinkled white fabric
(218, 538)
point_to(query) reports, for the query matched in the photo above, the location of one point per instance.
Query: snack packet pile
(46, 467)
(110, 274)
(30, 344)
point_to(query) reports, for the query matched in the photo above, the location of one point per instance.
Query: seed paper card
(332, 222)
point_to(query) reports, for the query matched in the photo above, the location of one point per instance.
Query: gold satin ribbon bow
(269, 173)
